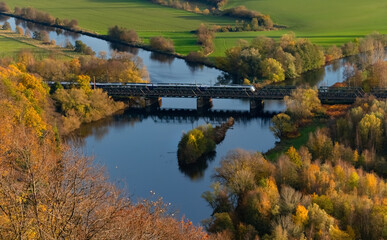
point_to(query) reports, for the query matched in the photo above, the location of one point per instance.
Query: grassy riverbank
(282, 146)
(11, 43)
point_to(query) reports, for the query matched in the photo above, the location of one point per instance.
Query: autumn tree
(303, 103)
(161, 43)
(283, 126)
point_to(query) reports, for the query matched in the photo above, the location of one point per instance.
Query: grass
(325, 22)
(12, 43)
(146, 18)
(297, 142)
(10, 46)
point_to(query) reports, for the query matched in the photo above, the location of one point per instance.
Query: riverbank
(284, 144)
(206, 62)
(33, 44)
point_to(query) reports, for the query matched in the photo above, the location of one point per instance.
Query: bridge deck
(148, 90)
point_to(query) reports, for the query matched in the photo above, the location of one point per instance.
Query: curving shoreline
(107, 38)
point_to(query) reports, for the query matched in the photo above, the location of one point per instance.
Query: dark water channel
(139, 148)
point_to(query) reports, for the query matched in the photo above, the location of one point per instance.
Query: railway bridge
(205, 93)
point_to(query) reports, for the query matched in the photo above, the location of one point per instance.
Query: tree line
(121, 67)
(266, 59)
(33, 14)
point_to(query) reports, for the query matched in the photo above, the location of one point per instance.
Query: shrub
(83, 48)
(6, 26)
(4, 7)
(123, 34)
(161, 43)
(19, 30)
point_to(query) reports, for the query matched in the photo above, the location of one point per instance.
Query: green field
(9, 47)
(12, 43)
(325, 22)
(141, 15)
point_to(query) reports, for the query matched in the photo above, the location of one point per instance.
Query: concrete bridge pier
(256, 105)
(204, 103)
(153, 102)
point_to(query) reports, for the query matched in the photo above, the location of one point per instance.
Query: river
(138, 148)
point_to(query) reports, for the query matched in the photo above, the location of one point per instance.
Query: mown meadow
(325, 23)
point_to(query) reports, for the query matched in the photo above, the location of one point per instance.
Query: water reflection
(195, 171)
(3, 18)
(162, 58)
(132, 116)
(123, 48)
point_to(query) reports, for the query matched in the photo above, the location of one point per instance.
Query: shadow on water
(195, 171)
(131, 116)
(123, 48)
(162, 58)
(3, 18)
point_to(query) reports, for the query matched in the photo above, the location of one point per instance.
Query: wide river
(138, 148)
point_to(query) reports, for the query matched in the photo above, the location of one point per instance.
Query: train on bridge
(153, 92)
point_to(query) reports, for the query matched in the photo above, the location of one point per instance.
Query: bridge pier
(203, 103)
(256, 105)
(153, 102)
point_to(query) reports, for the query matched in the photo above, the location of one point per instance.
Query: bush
(83, 48)
(6, 26)
(4, 7)
(195, 144)
(161, 43)
(19, 30)
(123, 34)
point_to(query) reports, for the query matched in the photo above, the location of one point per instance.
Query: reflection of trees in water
(193, 67)
(335, 65)
(123, 48)
(58, 31)
(135, 115)
(73, 35)
(195, 171)
(163, 58)
(4, 18)
(227, 78)
(311, 78)
(99, 129)
(38, 27)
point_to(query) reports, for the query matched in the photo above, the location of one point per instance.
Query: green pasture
(9, 47)
(325, 22)
(146, 18)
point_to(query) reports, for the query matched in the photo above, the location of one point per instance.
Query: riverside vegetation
(201, 141)
(333, 187)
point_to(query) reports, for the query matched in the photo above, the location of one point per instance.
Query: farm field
(10, 46)
(323, 22)
(146, 18)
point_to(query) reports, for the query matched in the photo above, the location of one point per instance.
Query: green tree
(294, 156)
(303, 103)
(272, 69)
(282, 125)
